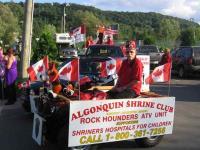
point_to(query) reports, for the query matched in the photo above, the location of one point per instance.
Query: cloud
(178, 8)
(182, 8)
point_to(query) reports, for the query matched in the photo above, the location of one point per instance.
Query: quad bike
(54, 108)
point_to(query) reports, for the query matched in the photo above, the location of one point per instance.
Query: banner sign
(92, 122)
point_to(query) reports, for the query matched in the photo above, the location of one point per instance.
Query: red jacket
(129, 72)
(109, 42)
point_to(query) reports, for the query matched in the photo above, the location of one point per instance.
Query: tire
(62, 142)
(85, 147)
(149, 142)
(62, 139)
(181, 72)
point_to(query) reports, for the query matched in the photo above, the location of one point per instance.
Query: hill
(133, 25)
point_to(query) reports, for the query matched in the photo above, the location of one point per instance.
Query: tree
(197, 33)
(46, 44)
(149, 40)
(187, 37)
(169, 29)
(89, 20)
(9, 28)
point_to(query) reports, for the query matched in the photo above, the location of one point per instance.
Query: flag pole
(169, 86)
(79, 94)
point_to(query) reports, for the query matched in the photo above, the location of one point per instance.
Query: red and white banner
(110, 67)
(160, 74)
(102, 121)
(79, 34)
(69, 71)
(38, 71)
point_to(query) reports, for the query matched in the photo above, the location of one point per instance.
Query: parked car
(68, 52)
(186, 60)
(153, 52)
(104, 51)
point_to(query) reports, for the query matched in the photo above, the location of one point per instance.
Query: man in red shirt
(129, 77)
(109, 41)
(166, 57)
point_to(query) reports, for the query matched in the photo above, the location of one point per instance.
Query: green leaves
(46, 44)
(188, 37)
(9, 28)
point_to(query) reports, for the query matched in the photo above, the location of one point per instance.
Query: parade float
(77, 114)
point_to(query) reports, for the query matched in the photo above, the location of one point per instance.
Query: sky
(186, 9)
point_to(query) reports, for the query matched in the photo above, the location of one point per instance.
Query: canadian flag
(84, 80)
(39, 69)
(160, 74)
(110, 67)
(69, 71)
(25, 84)
(79, 34)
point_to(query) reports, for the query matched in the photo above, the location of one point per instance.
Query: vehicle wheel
(62, 139)
(181, 72)
(85, 147)
(149, 142)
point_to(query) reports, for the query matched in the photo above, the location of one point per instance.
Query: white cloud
(179, 8)
(182, 8)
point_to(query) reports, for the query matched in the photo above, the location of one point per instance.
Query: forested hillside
(150, 27)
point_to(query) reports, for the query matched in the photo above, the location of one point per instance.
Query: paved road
(16, 125)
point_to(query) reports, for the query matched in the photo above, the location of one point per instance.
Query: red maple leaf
(66, 71)
(40, 68)
(157, 73)
(111, 66)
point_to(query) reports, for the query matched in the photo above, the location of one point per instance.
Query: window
(196, 51)
(187, 52)
(148, 49)
(104, 51)
(179, 53)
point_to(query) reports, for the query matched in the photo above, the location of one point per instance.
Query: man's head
(131, 53)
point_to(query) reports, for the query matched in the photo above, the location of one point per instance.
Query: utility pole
(64, 16)
(27, 38)
(193, 28)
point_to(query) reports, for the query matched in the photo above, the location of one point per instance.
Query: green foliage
(9, 28)
(149, 40)
(169, 29)
(46, 44)
(89, 20)
(197, 33)
(187, 37)
(150, 27)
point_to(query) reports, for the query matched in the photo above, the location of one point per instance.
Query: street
(16, 124)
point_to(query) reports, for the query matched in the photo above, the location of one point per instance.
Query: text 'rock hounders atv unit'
(81, 124)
